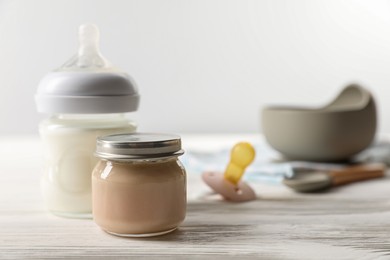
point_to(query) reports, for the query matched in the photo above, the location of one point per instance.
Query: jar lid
(87, 83)
(138, 146)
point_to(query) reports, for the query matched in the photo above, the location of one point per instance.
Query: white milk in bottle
(85, 98)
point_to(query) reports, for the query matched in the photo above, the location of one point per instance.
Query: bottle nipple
(241, 156)
(88, 55)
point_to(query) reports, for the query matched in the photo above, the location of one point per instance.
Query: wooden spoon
(309, 180)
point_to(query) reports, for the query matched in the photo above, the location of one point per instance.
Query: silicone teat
(228, 184)
(241, 156)
(88, 55)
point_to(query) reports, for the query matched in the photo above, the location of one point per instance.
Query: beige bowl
(332, 133)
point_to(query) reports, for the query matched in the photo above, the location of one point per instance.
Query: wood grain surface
(351, 222)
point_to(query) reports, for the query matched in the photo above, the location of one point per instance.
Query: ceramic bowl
(334, 132)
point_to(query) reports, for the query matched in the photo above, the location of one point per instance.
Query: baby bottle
(85, 98)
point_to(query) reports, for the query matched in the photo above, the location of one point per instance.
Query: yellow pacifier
(228, 184)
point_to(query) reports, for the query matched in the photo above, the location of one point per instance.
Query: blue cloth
(268, 165)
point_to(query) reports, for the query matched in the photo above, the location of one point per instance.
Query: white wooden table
(351, 222)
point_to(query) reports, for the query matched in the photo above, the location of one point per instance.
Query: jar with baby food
(139, 184)
(83, 99)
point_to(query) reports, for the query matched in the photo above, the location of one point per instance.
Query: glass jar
(139, 184)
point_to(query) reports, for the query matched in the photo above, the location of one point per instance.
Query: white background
(202, 66)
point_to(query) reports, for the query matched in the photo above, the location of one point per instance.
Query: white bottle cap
(87, 83)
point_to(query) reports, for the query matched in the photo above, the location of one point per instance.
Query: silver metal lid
(138, 146)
